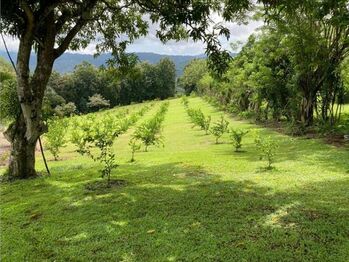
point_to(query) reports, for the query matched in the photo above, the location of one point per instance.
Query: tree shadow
(180, 212)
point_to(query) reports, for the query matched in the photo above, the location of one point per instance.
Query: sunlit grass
(191, 200)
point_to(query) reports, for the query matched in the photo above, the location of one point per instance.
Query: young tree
(9, 108)
(55, 137)
(219, 128)
(236, 135)
(135, 146)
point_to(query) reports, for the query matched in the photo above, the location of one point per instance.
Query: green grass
(192, 200)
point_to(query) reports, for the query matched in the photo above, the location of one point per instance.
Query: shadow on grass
(310, 152)
(174, 212)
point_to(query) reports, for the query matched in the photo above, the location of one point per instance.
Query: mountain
(68, 61)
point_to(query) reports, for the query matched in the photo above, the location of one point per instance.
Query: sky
(151, 44)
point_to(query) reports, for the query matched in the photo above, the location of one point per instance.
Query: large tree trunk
(25, 131)
(307, 111)
(41, 30)
(22, 158)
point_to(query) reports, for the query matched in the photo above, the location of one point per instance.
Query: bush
(219, 128)
(206, 124)
(68, 109)
(100, 134)
(198, 118)
(91, 132)
(236, 135)
(134, 147)
(267, 148)
(97, 102)
(149, 133)
(247, 114)
(55, 137)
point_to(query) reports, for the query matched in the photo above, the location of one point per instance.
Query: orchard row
(266, 146)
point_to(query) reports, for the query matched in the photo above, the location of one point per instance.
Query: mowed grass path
(192, 200)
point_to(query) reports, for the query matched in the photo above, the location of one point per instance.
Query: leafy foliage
(149, 132)
(67, 109)
(267, 148)
(185, 101)
(292, 69)
(97, 102)
(192, 75)
(100, 133)
(198, 118)
(135, 146)
(237, 135)
(55, 138)
(219, 128)
(9, 104)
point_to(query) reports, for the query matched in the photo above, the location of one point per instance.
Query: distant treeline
(89, 88)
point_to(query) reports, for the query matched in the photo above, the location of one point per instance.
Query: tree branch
(84, 18)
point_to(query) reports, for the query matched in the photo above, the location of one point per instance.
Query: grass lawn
(192, 200)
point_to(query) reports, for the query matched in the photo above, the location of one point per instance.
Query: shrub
(55, 137)
(134, 147)
(100, 134)
(198, 118)
(206, 124)
(80, 132)
(65, 110)
(219, 128)
(149, 133)
(97, 102)
(236, 135)
(267, 148)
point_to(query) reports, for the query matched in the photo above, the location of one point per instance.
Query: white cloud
(11, 43)
(150, 43)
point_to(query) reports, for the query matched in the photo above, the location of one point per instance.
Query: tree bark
(307, 111)
(22, 158)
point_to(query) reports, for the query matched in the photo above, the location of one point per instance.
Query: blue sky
(151, 44)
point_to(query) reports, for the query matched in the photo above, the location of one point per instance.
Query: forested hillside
(67, 62)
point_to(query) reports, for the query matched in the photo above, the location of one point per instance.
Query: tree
(97, 102)
(345, 77)
(237, 135)
(192, 74)
(318, 39)
(166, 74)
(219, 128)
(67, 109)
(55, 137)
